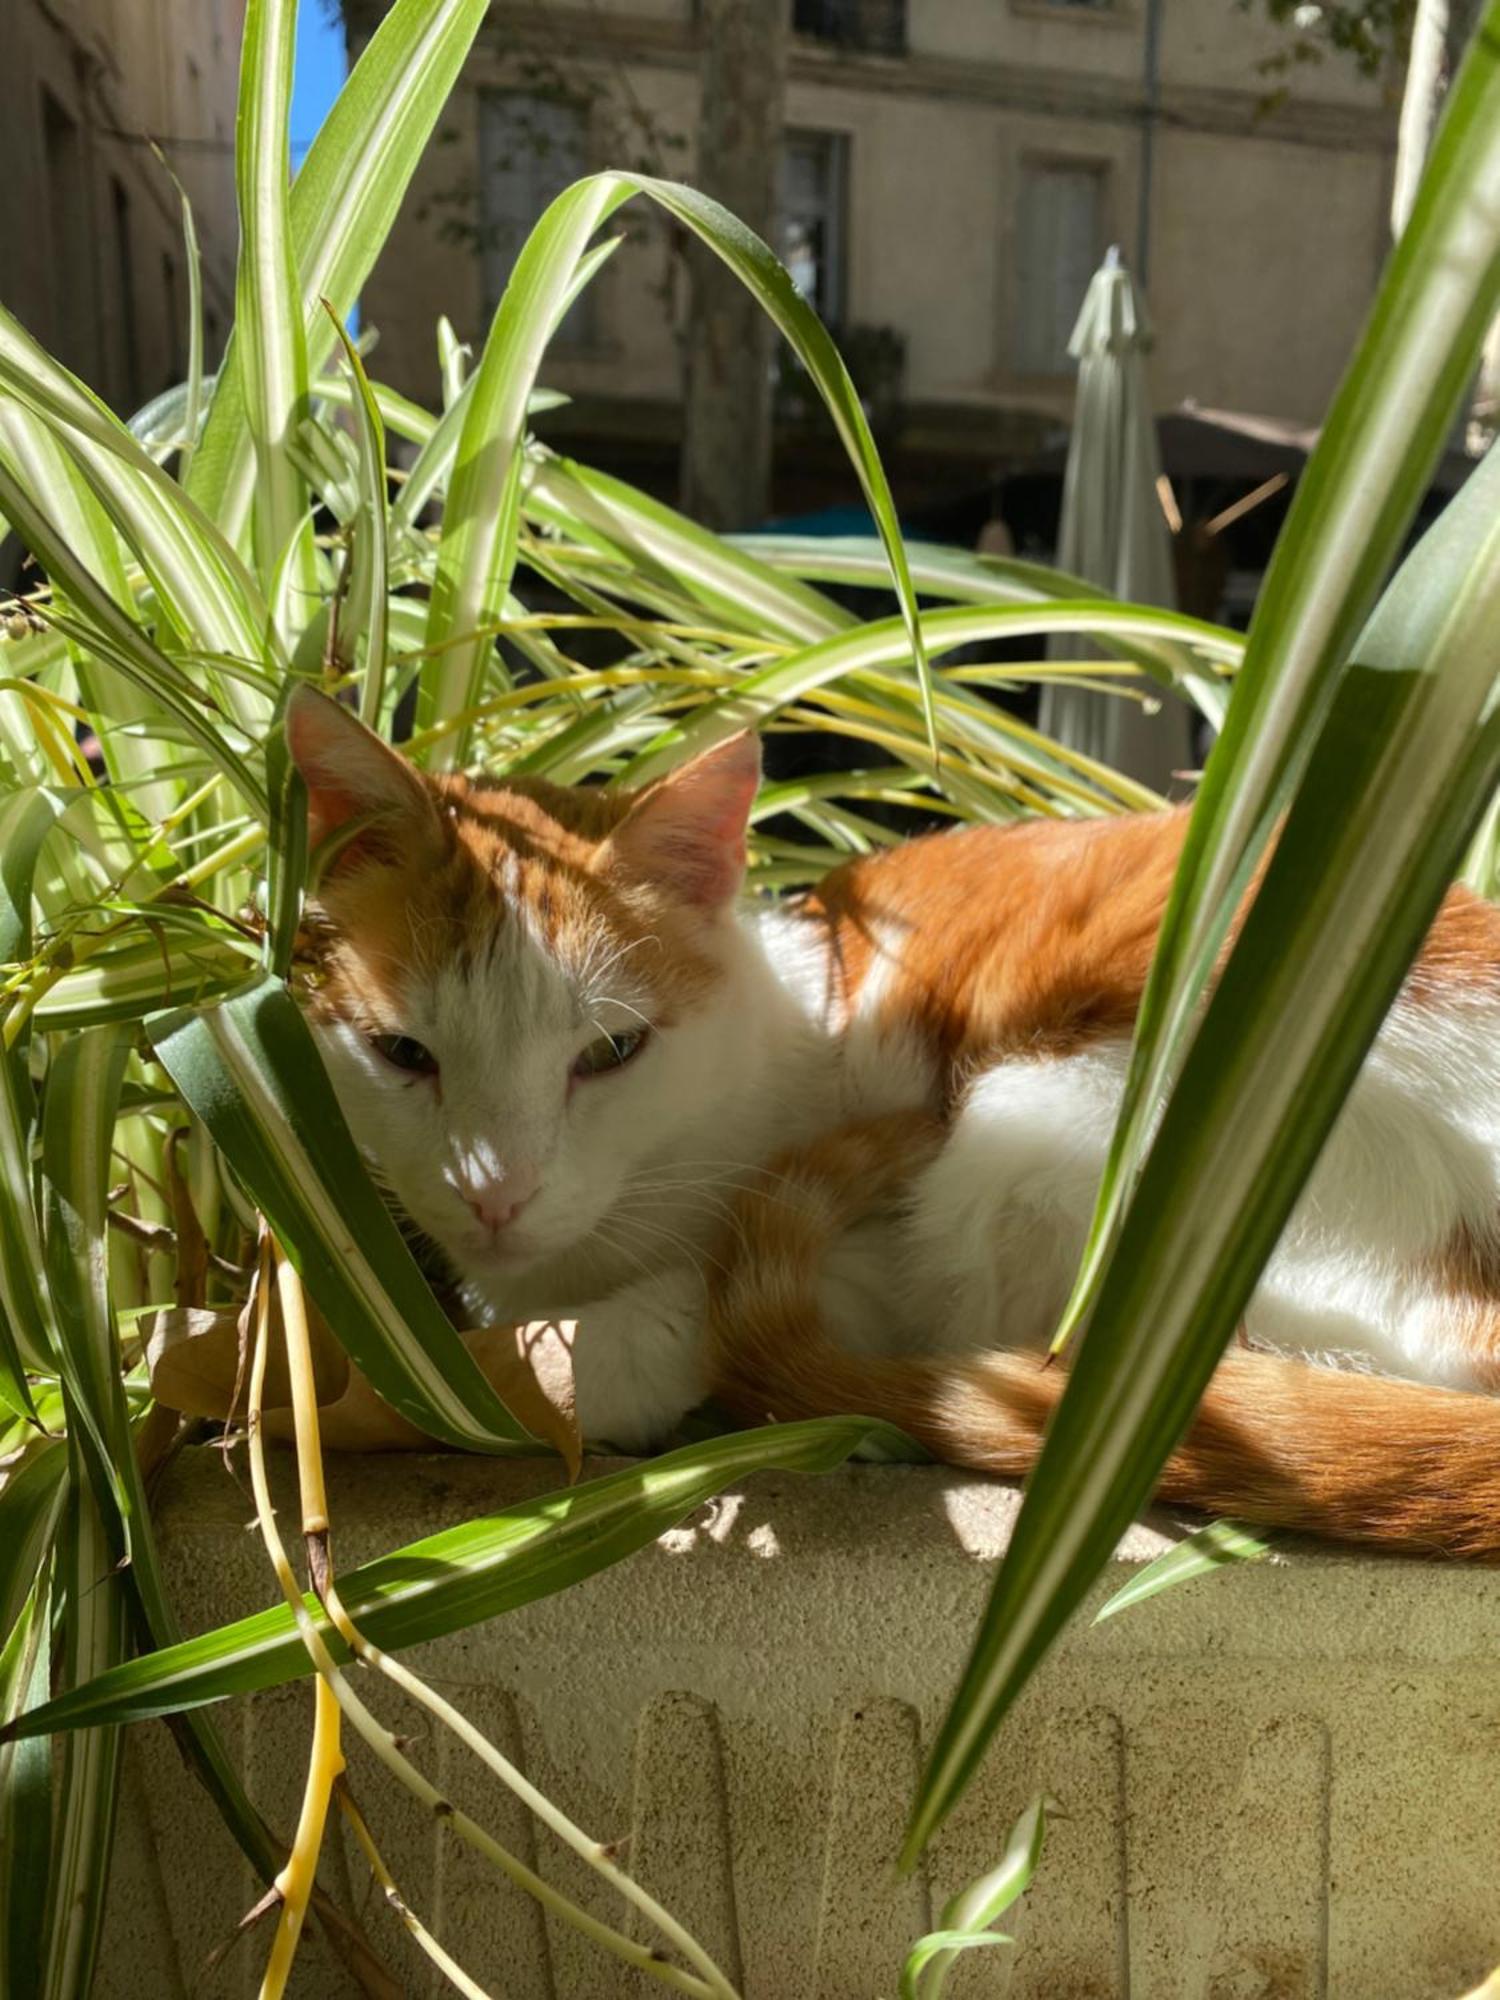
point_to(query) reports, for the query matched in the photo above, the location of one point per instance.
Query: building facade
(952, 171)
(92, 258)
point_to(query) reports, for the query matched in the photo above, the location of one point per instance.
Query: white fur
(633, 1170)
(1000, 1218)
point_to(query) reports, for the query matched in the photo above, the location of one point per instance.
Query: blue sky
(320, 71)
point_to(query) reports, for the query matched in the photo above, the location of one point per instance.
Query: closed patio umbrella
(1113, 531)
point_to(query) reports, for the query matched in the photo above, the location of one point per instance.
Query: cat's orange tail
(1281, 1442)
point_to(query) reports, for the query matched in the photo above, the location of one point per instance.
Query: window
(66, 227)
(814, 182)
(870, 27)
(1060, 232)
(128, 367)
(530, 149)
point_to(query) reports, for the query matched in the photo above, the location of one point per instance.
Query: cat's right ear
(355, 781)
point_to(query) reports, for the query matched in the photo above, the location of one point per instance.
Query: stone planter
(1281, 1782)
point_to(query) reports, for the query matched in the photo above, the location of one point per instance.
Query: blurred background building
(91, 244)
(947, 176)
(941, 176)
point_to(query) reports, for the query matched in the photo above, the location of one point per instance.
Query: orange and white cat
(840, 1154)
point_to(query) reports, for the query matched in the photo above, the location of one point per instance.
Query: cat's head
(521, 989)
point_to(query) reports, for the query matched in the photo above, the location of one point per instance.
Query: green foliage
(247, 531)
(968, 1920)
(1374, 35)
(456, 1578)
(1381, 747)
(1200, 1554)
(158, 1093)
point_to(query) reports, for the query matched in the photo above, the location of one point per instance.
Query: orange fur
(441, 889)
(1037, 939)
(1001, 939)
(985, 943)
(1276, 1441)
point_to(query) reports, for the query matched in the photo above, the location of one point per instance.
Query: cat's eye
(610, 1052)
(405, 1052)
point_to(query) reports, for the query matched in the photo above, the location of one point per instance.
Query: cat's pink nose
(496, 1206)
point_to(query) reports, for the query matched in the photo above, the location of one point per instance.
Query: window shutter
(1058, 246)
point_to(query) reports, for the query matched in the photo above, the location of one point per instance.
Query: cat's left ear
(687, 831)
(351, 774)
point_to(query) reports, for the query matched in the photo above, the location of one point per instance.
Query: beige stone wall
(1266, 261)
(1277, 1783)
(84, 82)
(1267, 226)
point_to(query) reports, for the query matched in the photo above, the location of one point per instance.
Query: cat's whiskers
(723, 1194)
(726, 1167)
(592, 974)
(695, 1255)
(645, 1019)
(720, 1216)
(656, 1184)
(605, 1236)
(633, 1219)
(745, 1180)
(612, 1239)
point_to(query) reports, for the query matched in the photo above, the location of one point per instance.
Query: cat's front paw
(639, 1366)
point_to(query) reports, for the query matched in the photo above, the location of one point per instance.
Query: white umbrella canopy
(1113, 531)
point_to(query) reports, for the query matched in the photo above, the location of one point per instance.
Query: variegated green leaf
(343, 203)
(967, 1918)
(249, 1068)
(32, 1499)
(453, 1580)
(113, 638)
(364, 614)
(269, 338)
(477, 550)
(25, 1790)
(1353, 506)
(91, 1598)
(1403, 768)
(38, 462)
(963, 576)
(1209, 1548)
(885, 644)
(27, 817)
(205, 592)
(651, 540)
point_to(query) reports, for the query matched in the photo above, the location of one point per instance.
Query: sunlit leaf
(1205, 1550)
(249, 1069)
(1402, 769)
(455, 1579)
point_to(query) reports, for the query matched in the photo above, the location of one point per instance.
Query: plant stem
(380, 1739)
(593, 1852)
(395, 1901)
(315, 1524)
(295, 1882)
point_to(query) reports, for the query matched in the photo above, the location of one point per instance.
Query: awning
(1198, 441)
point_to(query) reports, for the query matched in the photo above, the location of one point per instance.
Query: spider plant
(167, 1135)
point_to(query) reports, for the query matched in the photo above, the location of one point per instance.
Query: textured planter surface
(1280, 1782)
